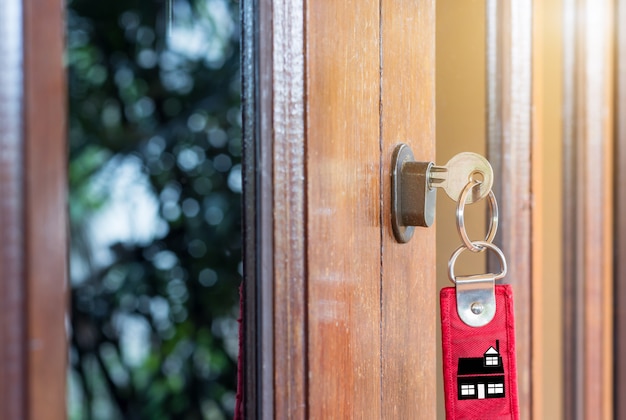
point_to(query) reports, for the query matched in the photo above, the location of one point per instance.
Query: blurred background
(155, 192)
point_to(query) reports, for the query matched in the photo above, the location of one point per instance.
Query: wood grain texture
(588, 136)
(13, 358)
(45, 202)
(274, 209)
(289, 210)
(343, 204)
(509, 48)
(620, 215)
(408, 273)
(321, 266)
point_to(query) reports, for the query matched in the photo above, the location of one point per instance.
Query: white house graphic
(481, 377)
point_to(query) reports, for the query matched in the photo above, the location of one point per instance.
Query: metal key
(460, 170)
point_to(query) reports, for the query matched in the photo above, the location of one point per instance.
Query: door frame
(274, 252)
(510, 152)
(620, 212)
(588, 112)
(33, 232)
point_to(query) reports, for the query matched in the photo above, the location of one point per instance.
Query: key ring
(483, 245)
(460, 218)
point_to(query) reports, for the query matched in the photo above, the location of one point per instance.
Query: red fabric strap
(479, 369)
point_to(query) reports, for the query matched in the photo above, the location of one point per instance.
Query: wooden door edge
(620, 213)
(45, 208)
(13, 359)
(274, 289)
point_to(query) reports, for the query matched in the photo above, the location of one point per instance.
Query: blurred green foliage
(153, 324)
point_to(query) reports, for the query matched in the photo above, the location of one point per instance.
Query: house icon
(481, 377)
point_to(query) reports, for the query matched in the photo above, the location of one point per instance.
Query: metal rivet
(477, 308)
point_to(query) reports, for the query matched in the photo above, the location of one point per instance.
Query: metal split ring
(460, 218)
(483, 245)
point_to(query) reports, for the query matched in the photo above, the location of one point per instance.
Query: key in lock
(414, 185)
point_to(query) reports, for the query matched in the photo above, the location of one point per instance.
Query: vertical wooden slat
(509, 89)
(274, 209)
(343, 208)
(288, 125)
(572, 337)
(258, 336)
(588, 101)
(45, 198)
(12, 288)
(547, 183)
(537, 179)
(620, 215)
(264, 147)
(247, 377)
(33, 297)
(408, 273)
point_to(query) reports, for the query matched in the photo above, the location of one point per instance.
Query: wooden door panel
(343, 202)
(409, 297)
(322, 268)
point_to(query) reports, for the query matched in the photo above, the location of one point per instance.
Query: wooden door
(340, 318)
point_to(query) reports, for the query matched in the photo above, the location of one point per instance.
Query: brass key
(459, 170)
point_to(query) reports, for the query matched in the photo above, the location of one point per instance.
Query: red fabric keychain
(479, 369)
(478, 335)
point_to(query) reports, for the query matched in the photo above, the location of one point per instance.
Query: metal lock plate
(413, 202)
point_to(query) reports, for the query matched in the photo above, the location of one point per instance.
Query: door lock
(414, 184)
